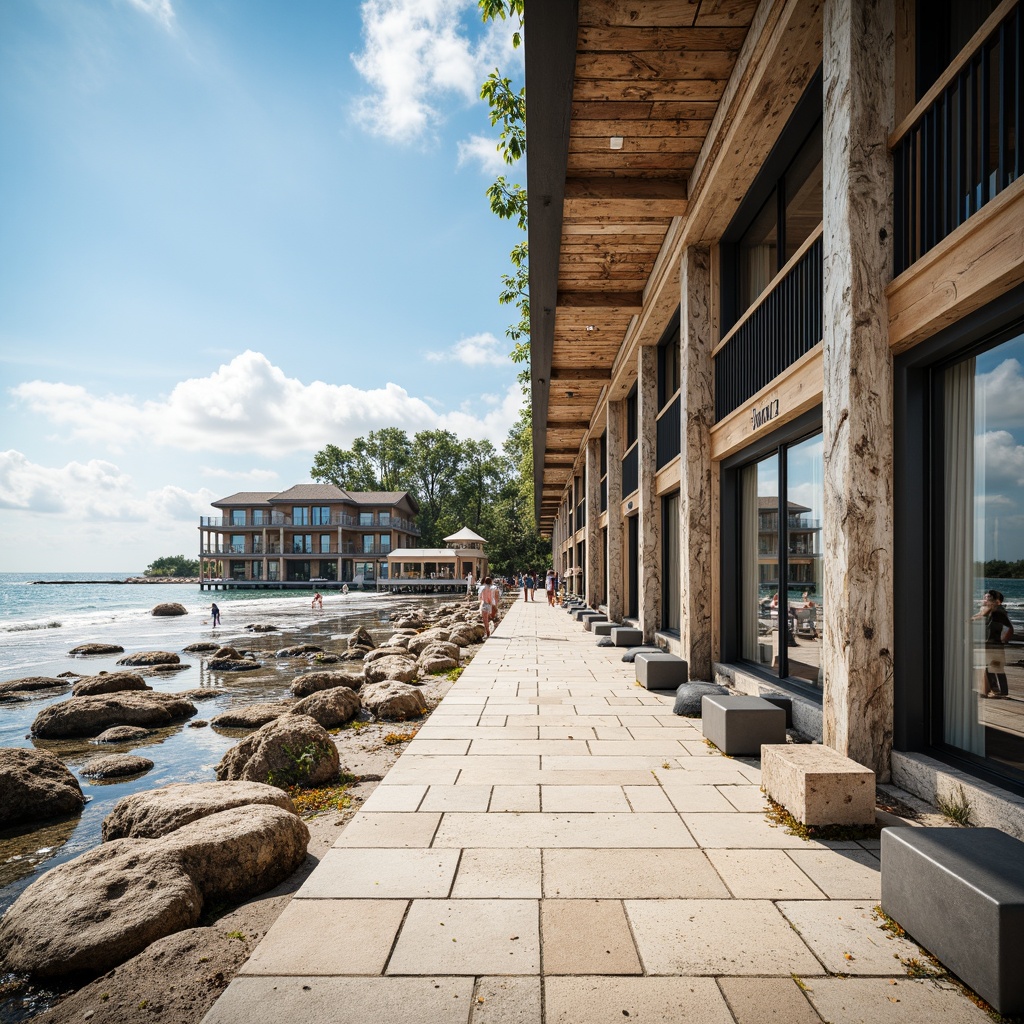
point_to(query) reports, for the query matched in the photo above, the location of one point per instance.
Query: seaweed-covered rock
(170, 608)
(108, 682)
(150, 658)
(331, 708)
(89, 716)
(96, 648)
(688, 697)
(393, 700)
(32, 683)
(292, 750)
(314, 682)
(34, 786)
(116, 766)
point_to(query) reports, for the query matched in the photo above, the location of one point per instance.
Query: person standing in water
(215, 614)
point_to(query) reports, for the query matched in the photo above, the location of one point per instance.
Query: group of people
(529, 582)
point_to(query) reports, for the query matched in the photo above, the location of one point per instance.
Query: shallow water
(121, 614)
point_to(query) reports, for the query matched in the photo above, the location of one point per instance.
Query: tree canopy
(173, 565)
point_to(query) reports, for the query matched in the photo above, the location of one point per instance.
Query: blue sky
(232, 232)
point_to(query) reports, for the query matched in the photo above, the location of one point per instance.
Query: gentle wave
(24, 627)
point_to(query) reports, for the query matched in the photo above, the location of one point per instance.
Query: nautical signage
(765, 413)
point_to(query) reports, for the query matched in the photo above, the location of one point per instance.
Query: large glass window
(325, 543)
(321, 515)
(366, 519)
(302, 544)
(982, 598)
(237, 544)
(238, 517)
(300, 516)
(365, 570)
(670, 561)
(385, 543)
(368, 540)
(257, 517)
(781, 623)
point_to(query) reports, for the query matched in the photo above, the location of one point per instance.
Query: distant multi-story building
(310, 532)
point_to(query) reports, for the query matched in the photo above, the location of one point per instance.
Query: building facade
(777, 261)
(310, 532)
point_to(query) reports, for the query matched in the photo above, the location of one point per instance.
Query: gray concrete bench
(960, 894)
(660, 671)
(580, 613)
(590, 621)
(739, 725)
(627, 636)
(603, 628)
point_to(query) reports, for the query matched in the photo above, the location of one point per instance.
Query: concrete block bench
(960, 894)
(627, 636)
(786, 703)
(661, 671)
(740, 725)
(818, 785)
(603, 628)
(590, 621)
(580, 613)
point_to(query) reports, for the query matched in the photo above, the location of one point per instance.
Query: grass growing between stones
(398, 737)
(956, 806)
(310, 802)
(453, 673)
(779, 817)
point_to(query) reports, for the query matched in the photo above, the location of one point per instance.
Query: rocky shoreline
(117, 583)
(101, 913)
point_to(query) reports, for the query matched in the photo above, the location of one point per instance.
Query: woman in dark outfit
(997, 628)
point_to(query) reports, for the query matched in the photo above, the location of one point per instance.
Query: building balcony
(277, 520)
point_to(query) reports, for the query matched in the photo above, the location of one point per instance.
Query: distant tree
(173, 565)
(435, 462)
(377, 462)
(997, 569)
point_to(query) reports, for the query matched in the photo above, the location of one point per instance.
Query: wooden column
(647, 500)
(594, 568)
(857, 400)
(697, 416)
(616, 577)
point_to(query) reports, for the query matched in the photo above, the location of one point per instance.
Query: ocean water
(39, 625)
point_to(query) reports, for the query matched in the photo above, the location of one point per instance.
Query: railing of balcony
(339, 519)
(780, 327)
(630, 470)
(960, 146)
(668, 433)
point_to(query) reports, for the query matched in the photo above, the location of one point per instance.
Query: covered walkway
(555, 845)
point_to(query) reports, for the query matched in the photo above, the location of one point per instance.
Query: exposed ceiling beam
(568, 424)
(624, 197)
(603, 302)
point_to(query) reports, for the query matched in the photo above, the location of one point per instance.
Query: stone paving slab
(554, 846)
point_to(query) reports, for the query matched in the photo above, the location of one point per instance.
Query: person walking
(215, 614)
(549, 587)
(488, 604)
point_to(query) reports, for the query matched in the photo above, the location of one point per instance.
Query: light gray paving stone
(436, 721)
(632, 874)
(425, 746)
(763, 875)
(515, 798)
(667, 746)
(507, 1001)
(745, 798)
(456, 798)
(315, 1000)
(468, 936)
(494, 777)
(735, 937)
(696, 798)
(475, 732)
(403, 775)
(508, 763)
(698, 773)
(647, 733)
(382, 829)
(847, 936)
(842, 874)
(329, 937)
(493, 721)
(617, 831)
(395, 798)
(592, 763)
(498, 874)
(743, 831)
(767, 1001)
(595, 1000)
(567, 732)
(381, 874)
(583, 798)
(892, 1000)
(503, 747)
(648, 799)
(587, 936)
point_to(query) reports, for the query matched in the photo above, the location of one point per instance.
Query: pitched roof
(466, 534)
(245, 498)
(319, 492)
(384, 498)
(313, 492)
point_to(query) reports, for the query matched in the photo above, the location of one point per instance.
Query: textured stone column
(857, 529)
(696, 415)
(613, 554)
(647, 500)
(594, 568)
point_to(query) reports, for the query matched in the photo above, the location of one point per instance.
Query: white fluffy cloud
(249, 406)
(160, 10)
(253, 476)
(416, 55)
(95, 490)
(478, 350)
(483, 151)
(1001, 391)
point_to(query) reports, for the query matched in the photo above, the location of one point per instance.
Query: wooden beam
(628, 38)
(623, 197)
(641, 110)
(626, 302)
(672, 89)
(577, 373)
(568, 424)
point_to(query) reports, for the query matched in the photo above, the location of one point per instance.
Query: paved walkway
(555, 845)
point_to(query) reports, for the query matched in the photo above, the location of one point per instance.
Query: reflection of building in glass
(804, 544)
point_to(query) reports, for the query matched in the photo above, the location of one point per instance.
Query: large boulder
(688, 697)
(202, 647)
(330, 708)
(100, 909)
(252, 716)
(361, 638)
(324, 658)
(108, 682)
(261, 627)
(384, 652)
(89, 716)
(116, 766)
(297, 650)
(239, 664)
(398, 641)
(30, 683)
(83, 649)
(438, 647)
(419, 643)
(314, 682)
(150, 658)
(431, 664)
(35, 786)
(200, 693)
(391, 667)
(122, 734)
(157, 812)
(393, 700)
(293, 750)
(170, 608)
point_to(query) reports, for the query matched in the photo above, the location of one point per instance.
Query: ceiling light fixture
(615, 142)
(590, 327)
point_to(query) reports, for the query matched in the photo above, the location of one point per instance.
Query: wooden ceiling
(651, 73)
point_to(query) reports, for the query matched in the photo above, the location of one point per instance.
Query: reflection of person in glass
(997, 625)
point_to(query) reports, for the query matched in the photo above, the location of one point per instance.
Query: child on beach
(215, 614)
